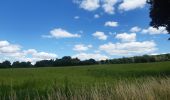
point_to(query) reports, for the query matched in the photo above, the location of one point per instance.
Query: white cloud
(9, 49)
(130, 48)
(33, 55)
(127, 5)
(90, 5)
(30, 51)
(4, 43)
(61, 33)
(96, 56)
(135, 29)
(44, 55)
(82, 47)
(111, 24)
(125, 37)
(153, 31)
(100, 35)
(13, 52)
(6, 47)
(76, 17)
(108, 6)
(40, 55)
(96, 16)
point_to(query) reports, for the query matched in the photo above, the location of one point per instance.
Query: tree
(5, 64)
(75, 61)
(88, 62)
(160, 13)
(66, 61)
(44, 63)
(18, 64)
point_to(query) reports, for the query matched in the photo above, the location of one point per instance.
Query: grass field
(149, 81)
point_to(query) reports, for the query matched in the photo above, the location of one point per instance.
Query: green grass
(67, 81)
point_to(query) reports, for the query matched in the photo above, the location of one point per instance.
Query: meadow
(140, 81)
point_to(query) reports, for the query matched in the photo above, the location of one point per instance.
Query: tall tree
(5, 64)
(21, 64)
(160, 13)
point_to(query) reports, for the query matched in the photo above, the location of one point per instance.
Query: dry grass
(124, 89)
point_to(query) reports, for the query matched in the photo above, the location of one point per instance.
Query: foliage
(18, 64)
(159, 13)
(5, 64)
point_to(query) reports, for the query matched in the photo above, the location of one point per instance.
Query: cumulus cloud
(111, 24)
(4, 43)
(40, 55)
(135, 29)
(100, 35)
(129, 48)
(108, 6)
(82, 47)
(90, 5)
(10, 49)
(125, 37)
(96, 56)
(45, 55)
(61, 33)
(6, 47)
(127, 5)
(153, 31)
(30, 51)
(33, 55)
(14, 52)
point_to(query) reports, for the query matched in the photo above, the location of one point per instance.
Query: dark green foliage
(5, 64)
(65, 61)
(160, 13)
(18, 64)
(44, 63)
(144, 59)
(88, 62)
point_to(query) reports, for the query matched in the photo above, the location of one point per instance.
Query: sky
(33, 30)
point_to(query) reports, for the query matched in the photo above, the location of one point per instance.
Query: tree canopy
(160, 13)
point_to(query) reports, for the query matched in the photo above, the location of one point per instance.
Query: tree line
(68, 61)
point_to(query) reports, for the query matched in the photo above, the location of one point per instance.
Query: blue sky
(32, 30)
